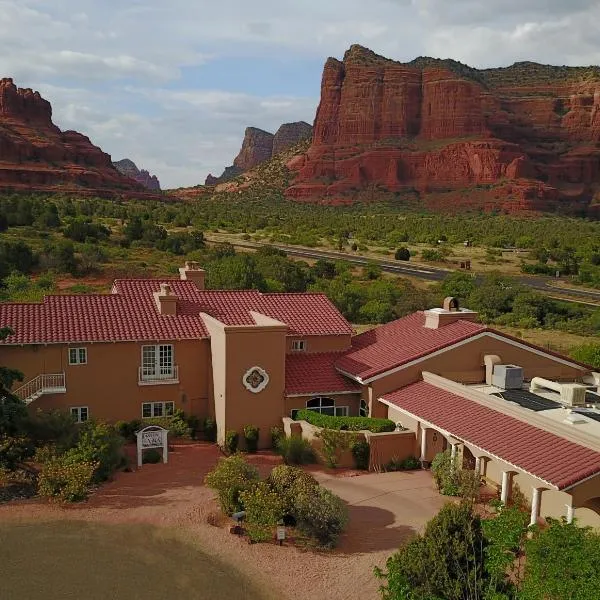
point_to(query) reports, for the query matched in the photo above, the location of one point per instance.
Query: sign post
(280, 534)
(152, 436)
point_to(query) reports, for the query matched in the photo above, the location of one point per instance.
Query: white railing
(171, 376)
(46, 383)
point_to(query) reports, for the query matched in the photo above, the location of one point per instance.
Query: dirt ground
(385, 510)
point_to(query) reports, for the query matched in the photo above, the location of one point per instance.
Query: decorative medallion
(255, 380)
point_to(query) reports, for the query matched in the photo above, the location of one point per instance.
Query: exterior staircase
(46, 383)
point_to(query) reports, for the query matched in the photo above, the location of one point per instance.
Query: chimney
(166, 301)
(192, 272)
(449, 313)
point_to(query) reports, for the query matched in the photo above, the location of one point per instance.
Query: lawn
(74, 559)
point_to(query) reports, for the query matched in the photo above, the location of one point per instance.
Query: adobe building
(517, 413)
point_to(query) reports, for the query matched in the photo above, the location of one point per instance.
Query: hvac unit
(573, 394)
(508, 377)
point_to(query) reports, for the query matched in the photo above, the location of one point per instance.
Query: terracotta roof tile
(130, 313)
(545, 455)
(315, 374)
(389, 346)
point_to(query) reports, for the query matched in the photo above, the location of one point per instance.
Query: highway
(541, 284)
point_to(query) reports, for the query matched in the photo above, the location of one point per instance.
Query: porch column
(506, 477)
(453, 452)
(423, 444)
(535, 505)
(570, 513)
(478, 465)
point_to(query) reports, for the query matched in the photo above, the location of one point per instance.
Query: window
(326, 406)
(157, 409)
(77, 356)
(80, 413)
(363, 411)
(157, 362)
(298, 345)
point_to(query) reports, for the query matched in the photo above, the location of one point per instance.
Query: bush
(334, 443)
(177, 424)
(229, 479)
(346, 423)
(99, 444)
(127, 429)
(210, 430)
(262, 504)
(289, 482)
(251, 434)
(407, 464)
(451, 480)
(322, 515)
(14, 450)
(151, 456)
(55, 426)
(296, 451)
(68, 481)
(361, 451)
(276, 434)
(402, 254)
(232, 439)
(193, 423)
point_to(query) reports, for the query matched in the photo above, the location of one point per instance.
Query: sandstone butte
(35, 155)
(127, 167)
(525, 137)
(259, 146)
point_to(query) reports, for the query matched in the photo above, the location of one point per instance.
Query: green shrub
(262, 504)
(210, 430)
(193, 424)
(407, 464)
(128, 429)
(333, 443)
(251, 435)
(346, 423)
(289, 482)
(451, 480)
(68, 481)
(402, 253)
(232, 439)
(14, 450)
(229, 479)
(321, 515)
(361, 451)
(151, 456)
(276, 434)
(98, 444)
(296, 451)
(55, 426)
(177, 424)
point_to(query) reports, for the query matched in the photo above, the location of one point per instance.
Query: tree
(588, 353)
(459, 285)
(402, 254)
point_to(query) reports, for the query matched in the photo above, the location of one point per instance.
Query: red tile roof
(545, 455)
(131, 314)
(392, 345)
(315, 374)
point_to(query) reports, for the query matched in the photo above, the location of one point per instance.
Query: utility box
(508, 377)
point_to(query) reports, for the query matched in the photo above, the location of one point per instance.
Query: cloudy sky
(172, 84)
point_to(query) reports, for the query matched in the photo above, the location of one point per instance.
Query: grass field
(79, 560)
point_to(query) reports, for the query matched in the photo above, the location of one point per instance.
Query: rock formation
(128, 167)
(438, 125)
(259, 146)
(36, 155)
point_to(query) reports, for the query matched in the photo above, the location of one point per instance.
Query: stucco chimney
(192, 272)
(166, 301)
(449, 313)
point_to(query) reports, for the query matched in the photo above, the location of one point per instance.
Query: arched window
(363, 411)
(322, 404)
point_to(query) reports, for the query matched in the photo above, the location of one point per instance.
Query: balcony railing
(158, 378)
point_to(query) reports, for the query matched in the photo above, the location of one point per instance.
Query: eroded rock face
(434, 125)
(256, 148)
(289, 134)
(129, 168)
(36, 155)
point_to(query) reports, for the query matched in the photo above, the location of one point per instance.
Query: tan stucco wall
(396, 445)
(108, 383)
(352, 401)
(320, 343)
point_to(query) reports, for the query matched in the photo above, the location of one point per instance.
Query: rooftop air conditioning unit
(508, 377)
(573, 394)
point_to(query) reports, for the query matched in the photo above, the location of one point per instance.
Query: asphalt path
(541, 284)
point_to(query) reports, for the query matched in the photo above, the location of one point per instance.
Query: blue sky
(172, 84)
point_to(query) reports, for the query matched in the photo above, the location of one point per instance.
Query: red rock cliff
(434, 125)
(36, 155)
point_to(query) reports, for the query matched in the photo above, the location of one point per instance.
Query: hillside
(525, 137)
(35, 155)
(129, 168)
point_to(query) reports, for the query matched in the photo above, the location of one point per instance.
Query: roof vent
(451, 304)
(192, 272)
(449, 313)
(574, 418)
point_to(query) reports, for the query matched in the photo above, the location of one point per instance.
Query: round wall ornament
(255, 379)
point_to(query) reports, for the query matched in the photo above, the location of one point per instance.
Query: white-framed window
(157, 361)
(298, 345)
(326, 406)
(363, 411)
(157, 409)
(80, 413)
(78, 356)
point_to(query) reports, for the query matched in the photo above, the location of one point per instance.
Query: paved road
(541, 284)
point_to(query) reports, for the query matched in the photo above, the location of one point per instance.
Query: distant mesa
(259, 146)
(128, 167)
(35, 155)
